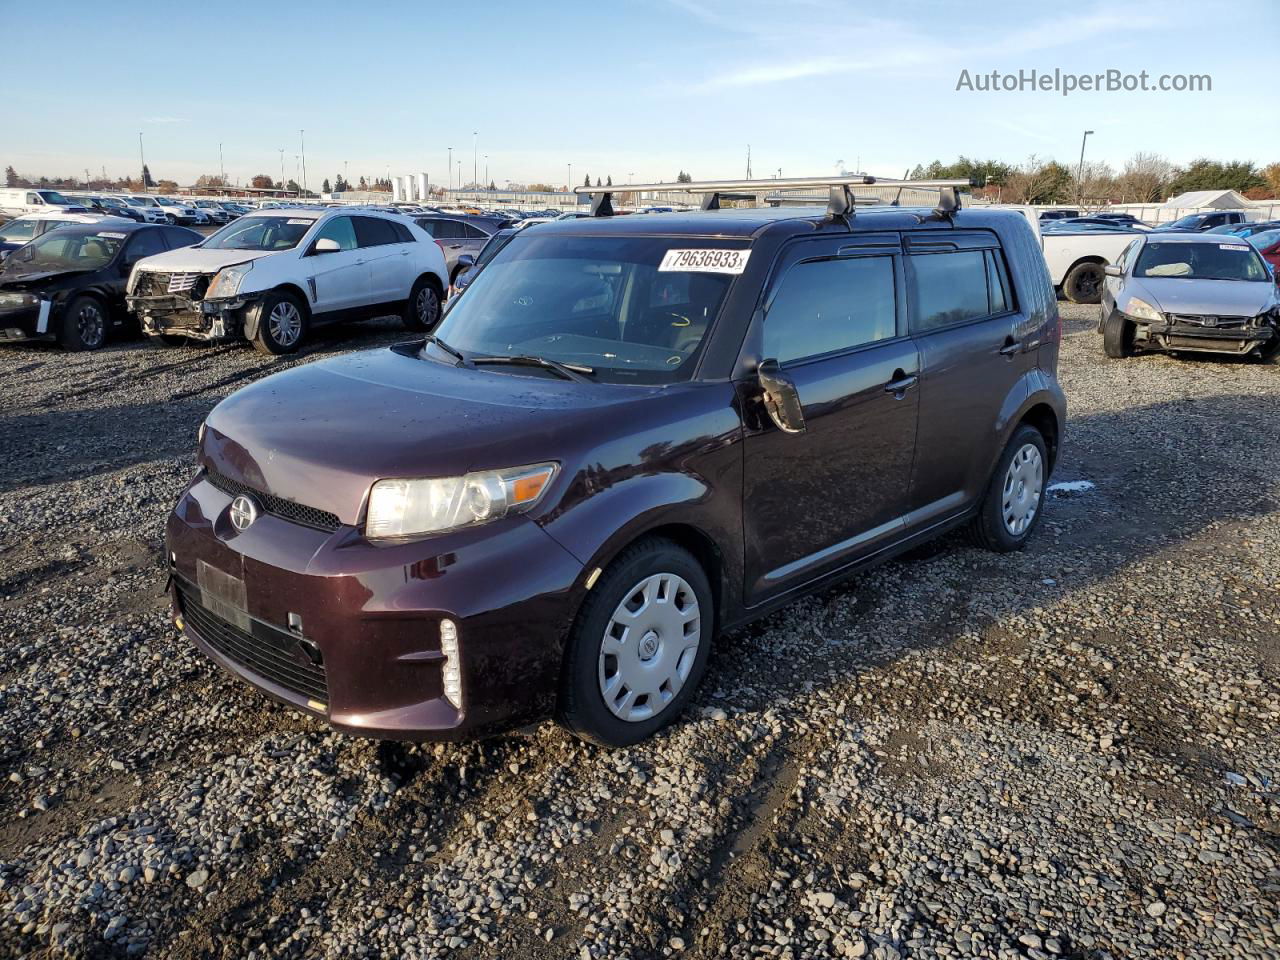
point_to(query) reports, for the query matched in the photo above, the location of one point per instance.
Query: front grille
(181, 282)
(276, 506)
(1205, 320)
(266, 651)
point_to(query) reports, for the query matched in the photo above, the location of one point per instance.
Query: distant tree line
(1145, 178)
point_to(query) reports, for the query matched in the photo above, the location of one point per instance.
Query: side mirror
(326, 245)
(1111, 270)
(781, 399)
(466, 260)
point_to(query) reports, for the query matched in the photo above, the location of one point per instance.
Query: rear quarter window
(947, 288)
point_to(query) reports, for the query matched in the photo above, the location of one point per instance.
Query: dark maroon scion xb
(628, 435)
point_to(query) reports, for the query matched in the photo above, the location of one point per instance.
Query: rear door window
(828, 306)
(374, 232)
(472, 232)
(947, 288)
(145, 243)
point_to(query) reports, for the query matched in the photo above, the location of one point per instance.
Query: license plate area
(223, 595)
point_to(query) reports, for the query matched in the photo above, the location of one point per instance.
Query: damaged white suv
(272, 275)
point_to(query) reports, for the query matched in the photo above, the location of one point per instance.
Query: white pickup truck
(1076, 260)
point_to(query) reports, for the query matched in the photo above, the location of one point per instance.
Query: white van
(16, 201)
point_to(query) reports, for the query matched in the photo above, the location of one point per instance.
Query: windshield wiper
(451, 351)
(570, 371)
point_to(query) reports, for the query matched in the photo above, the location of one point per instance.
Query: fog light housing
(452, 670)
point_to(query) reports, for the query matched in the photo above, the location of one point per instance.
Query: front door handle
(901, 383)
(1011, 346)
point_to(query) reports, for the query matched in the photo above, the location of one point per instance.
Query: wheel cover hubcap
(285, 324)
(1020, 498)
(90, 325)
(649, 647)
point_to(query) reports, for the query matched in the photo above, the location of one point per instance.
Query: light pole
(143, 158)
(486, 171)
(302, 143)
(570, 188)
(450, 168)
(222, 167)
(459, 174)
(475, 167)
(281, 170)
(1080, 168)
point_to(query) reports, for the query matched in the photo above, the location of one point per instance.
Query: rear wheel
(84, 325)
(638, 647)
(282, 323)
(1117, 336)
(423, 309)
(1084, 283)
(1010, 511)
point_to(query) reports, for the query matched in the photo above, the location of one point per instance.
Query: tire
(1002, 523)
(1084, 283)
(1117, 336)
(644, 652)
(84, 324)
(282, 324)
(419, 315)
(171, 219)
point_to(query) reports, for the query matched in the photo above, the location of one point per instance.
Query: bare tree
(1098, 182)
(1144, 178)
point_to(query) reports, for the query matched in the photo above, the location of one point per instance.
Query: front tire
(422, 312)
(1117, 336)
(171, 219)
(84, 325)
(638, 647)
(1084, 283)
(1012, 506)
(282, 324)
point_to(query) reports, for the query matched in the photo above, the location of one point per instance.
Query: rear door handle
(1011, 346)
(901, 383)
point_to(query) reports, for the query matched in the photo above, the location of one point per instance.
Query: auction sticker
(704, 261)
(1231, 246)
(112, 236)
(301, 223)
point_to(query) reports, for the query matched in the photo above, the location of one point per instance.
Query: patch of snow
(1071, 486)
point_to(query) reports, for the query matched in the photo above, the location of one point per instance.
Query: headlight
(227, 282)
(18, 300)
(1141, 310)
(406, 508)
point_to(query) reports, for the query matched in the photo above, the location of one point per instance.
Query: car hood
(322, 433)
(16, 280)
(1227, 298)
(199, 260)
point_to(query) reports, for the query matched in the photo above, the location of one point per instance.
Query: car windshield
(69, 250)
(1265, 239)
(1190, 220)
(634, 309)
(1201, 261)
(260, 233)
(53, 196)
(166, 202)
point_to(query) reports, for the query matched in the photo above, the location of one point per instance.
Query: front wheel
(1117, 336)
(1083, 283)
(171, 219)
(638, 647)
(282, 323)
(84, 325)
(422, 312)
(1010, 510)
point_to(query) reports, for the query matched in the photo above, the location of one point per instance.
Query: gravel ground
(1070, 752)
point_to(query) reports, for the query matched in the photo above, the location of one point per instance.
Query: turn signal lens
(452, 671)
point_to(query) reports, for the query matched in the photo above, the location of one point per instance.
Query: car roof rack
(840, 192)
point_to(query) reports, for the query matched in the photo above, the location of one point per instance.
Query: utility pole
(222, 167)
(1080, 169)
(748, 161)
(302, 141)
(282, 170)
(486, 171)
(571, 178)
(475, 175)
(451, 168)
(142, 157)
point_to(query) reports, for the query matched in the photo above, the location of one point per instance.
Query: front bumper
(30, 321)
(1200, 338)
(179, 315)
(371, 613)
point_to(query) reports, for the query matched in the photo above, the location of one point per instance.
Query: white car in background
(147, 206)
(179, 211)
(272, 275)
